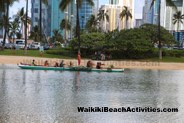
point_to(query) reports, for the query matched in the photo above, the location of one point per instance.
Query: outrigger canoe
(85, 69)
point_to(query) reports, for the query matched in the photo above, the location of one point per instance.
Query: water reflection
(52, 96)
(76, 82)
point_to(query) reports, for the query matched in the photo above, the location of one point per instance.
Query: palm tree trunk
(6, 24)
(66, 24)
(159, 40)
(4, 38)
(40, 20)
(26, 26)
(78, 26)
(65, 29)
(21, 29)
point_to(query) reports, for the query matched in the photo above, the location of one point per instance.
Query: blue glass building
(150, 14)
(35, 16)
(56, 15)
(114, 2)
(84, 13)
(155, 12)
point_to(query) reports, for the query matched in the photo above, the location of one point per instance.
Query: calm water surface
(28, 96)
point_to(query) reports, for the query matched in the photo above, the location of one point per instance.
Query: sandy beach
(117, 64)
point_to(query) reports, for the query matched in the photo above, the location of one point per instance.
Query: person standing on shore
(96, 56)
(79, 58)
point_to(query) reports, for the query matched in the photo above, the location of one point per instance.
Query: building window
(36, 10)
(36, 19)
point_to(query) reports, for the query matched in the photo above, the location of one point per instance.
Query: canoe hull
(69, 69)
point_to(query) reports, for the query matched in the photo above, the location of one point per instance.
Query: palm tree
(13, 29)
(102, 16)
(5, 23)
(125, 14)
(20, 16)
(25, 31)
(177, 18)
(63, 5)
(65, 25)
(57, 35)
(6, 4)
(92, 23)
(40, 21)
(169, 3)
(35, 33)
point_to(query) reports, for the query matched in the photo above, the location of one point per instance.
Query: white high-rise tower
(113, 9)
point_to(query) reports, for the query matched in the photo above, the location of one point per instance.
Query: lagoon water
(28, 96)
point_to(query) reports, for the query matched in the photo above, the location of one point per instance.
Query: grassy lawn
(169, 59)
(33, 53)
(70, 55)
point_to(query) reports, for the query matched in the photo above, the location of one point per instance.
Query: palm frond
(45, 2)
(64, 3)
(174, 22)
(90, 2)
(152, 3)
(171, 3)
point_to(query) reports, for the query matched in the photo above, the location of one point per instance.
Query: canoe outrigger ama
(85, 69)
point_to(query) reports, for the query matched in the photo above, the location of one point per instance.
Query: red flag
(79, 59)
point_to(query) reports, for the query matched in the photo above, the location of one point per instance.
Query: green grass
(32, 53)
(169, 59)
(67, 54)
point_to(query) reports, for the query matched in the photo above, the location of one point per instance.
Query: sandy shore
(116, 64)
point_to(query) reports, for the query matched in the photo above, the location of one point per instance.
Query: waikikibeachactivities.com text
(125, 109)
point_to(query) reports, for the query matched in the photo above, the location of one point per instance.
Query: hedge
(118, 54)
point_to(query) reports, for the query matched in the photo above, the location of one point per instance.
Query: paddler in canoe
(99, 65)
(32, 63)
(89, 64)
(46, 64)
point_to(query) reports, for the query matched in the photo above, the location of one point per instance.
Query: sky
(18, 5)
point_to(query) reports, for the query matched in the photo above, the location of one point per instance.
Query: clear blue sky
(18, 5)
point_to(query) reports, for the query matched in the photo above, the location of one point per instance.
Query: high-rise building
(72, 18)
(167, 15)
(85, 13)
(56, 15)
(35, 10)
(150, 13)
(113, 10)
(167, 20)
(138, 23)
(114, 2)
(52, 15)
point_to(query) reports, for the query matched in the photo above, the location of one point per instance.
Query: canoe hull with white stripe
(69, 69)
